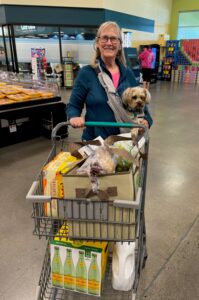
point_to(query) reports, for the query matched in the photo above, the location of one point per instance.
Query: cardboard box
(78, 266)
(102, 219)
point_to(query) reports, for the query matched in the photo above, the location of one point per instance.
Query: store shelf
(29, 103)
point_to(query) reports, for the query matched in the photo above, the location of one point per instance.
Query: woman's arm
(77, 99)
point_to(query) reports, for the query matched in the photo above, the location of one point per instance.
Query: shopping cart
(48, 226)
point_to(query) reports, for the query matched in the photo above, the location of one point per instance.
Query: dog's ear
(125, 95)
(148, 96)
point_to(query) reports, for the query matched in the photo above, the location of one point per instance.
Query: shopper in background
(147, 58)
(88, 91)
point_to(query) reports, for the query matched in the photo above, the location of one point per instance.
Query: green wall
(180, 5)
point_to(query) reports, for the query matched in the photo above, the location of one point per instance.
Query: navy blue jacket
(88, 91)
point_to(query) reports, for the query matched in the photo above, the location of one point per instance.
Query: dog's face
(135, 98)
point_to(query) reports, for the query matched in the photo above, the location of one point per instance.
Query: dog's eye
(142, 97)
(134, 97)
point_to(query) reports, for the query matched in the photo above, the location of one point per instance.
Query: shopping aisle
(172, 206)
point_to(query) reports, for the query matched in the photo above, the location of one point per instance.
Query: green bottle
(57, 269)
(94, 277)
(69, 271)
(81, 274)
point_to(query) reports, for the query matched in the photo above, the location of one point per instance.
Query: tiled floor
(172, 206)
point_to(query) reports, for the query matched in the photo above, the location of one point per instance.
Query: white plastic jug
(123, 266)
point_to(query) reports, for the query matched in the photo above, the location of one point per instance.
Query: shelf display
(185, 74)
(172, 48)
(190, 50)
(167, 68)
(28, 108)
(15, 89)
(181, 63)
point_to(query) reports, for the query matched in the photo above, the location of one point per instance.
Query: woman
(88, 90)
(147, 58)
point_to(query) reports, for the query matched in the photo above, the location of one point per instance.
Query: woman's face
(109, 43)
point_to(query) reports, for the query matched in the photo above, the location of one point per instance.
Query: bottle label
(81, 282)
(69, 280)
(57, 279)
(94, 287)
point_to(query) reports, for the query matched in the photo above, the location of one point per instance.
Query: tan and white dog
(134, 100)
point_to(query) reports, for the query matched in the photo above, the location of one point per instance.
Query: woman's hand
(144, 122)
(77, 122)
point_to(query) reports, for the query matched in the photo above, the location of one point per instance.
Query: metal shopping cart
(117, 215)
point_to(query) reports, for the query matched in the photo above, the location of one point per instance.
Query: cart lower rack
(112, 220)
(45, 290)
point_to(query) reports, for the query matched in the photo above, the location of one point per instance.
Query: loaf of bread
(6, 101)
(47, 95)
(19, 97)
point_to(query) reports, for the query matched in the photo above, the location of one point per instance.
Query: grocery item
(81, 273)
(123, 266)
(2, 95)
(33, 94)
(69, 271)
(46, 94)
(94, 276)
(9, 91)
(52, 179)
(84, 263)
(6, 101)
(57, 269)
(19, 97)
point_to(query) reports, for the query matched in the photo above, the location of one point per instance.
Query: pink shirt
(147, 58)
(116, 78)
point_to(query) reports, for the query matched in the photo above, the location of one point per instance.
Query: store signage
(28, 27)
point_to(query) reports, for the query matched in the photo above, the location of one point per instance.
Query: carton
(78, 265)
(52, 180)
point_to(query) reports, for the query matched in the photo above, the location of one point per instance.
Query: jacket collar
(122, 68)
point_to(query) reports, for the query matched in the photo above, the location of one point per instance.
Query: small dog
(134, 100)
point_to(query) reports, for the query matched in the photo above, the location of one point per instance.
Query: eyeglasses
(113, 39)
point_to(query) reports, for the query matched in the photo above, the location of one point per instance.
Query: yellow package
(52, 180)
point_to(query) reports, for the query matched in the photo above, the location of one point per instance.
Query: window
(188, 25)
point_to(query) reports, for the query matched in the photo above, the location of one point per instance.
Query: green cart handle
(113, 124)
(98, 124)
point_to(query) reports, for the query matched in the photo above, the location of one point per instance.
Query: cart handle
(130, 204)
(114, 124)
(36, 198)
(98, 124)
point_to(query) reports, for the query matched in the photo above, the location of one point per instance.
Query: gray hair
(120, 54)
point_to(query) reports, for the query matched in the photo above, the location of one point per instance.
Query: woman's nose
(109, 42)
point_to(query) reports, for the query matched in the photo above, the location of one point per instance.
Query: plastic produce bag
(102, 161)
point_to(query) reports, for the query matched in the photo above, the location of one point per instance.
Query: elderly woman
(89, 92)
